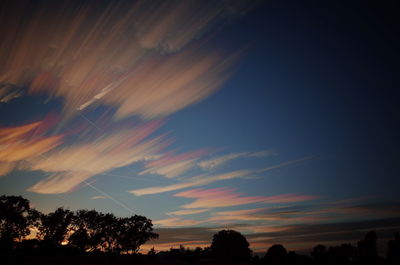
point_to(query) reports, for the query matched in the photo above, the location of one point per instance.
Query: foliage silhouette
(366, 249)
(54, 227)
(230, 245)
(16, 217)
(276, 255)
(394, 250)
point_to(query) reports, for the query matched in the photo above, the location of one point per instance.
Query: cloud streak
(24, 142)
(218, 161)
(134, 56)
(171, 165)
(222, 197)
(196, 181)
(204, 179)
(76, 163)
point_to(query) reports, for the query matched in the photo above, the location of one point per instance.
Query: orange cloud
(74, 164)
(24, 142)
(133, 56)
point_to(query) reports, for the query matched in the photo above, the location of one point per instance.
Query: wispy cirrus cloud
(206, 179)
(134, 56)
(196, 181)
(74, 164)
(100, 197)
(25, 142)
(171, 165)
(218, 161)
(265, 215)
(9, 92)
(188, 212)
(223, 197)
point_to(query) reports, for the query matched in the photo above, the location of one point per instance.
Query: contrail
(92, 123)
(109, 196)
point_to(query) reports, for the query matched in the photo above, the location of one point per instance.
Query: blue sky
(262, 117)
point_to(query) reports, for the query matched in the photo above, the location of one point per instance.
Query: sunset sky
(278, 120)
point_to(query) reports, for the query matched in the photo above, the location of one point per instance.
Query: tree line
(92, 237)
(85, 230)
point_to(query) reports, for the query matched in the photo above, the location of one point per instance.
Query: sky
(279, 120)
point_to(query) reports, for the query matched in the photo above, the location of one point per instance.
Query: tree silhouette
(87, 232)
(230, 246)
(97, 231)
(276, 255)
(134, 232)
(319, 254)
(15, 219)
(366, 249)
(341, 254)
(54, 227)
(394, 250)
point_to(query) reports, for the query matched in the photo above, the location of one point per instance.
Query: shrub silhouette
(230, 245)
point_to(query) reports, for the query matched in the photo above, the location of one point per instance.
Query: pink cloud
(223, 197)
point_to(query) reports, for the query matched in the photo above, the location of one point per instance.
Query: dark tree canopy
(276, 255)
(230, 245)
(135, 231)
(105, 232)
(55, 226)
(85, 230)
(367, 252)
(16, 217)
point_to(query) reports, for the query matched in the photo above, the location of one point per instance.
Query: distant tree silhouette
(394, 250)
(276, 255)
(55, 226)
(16, 217)
(319, 254)
(296, 259)
(133, 232)
(230, 246)
(342, 254)
(366, 249)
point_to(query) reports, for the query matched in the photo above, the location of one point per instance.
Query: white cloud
(218, 161)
